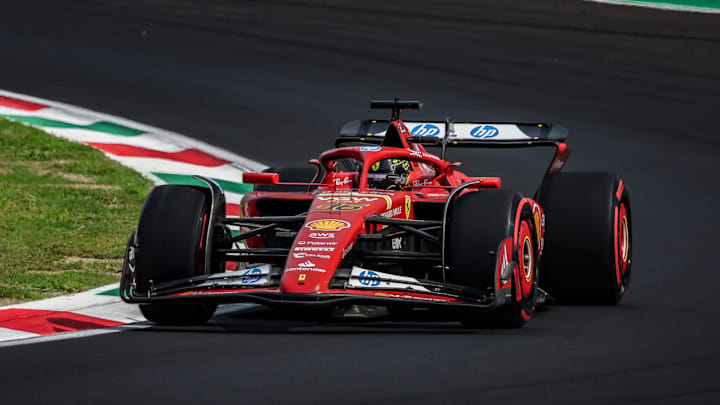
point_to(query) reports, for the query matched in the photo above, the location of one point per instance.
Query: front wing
(351, 286)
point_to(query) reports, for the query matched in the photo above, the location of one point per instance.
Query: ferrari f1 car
(380, 221)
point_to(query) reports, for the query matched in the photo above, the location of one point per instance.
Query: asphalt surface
(274, 81)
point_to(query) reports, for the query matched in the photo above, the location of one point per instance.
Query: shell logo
(327, 225)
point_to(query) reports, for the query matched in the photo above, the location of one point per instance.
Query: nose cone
(329, 232)
(318, 250)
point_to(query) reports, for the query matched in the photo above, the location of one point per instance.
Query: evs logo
(369, 278)
(484, 132)
(251, 276)
(425, 130)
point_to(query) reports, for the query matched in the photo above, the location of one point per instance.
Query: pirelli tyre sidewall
(478, 224)
(170, 240)
(587, 258)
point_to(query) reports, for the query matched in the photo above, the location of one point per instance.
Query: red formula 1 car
(379, 221)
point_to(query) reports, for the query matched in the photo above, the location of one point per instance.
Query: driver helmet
(389, 174)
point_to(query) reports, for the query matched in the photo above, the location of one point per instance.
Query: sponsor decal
(313, 269)
(307, 263)
(484, 132)
(425, 130)
(314, 249)
(408, 206)
(316, 243)
(346, 180)
(393, 212)
(370, 148)
(348, 199)
(415, 153)
(539, 226)
(303, 255)
(418, 183)
(321, 235)
(364, 278)
(347, 250)
(301, 277)
(396, 243)
(503, 265)
(331, 225)
(251, 276)
(254, 276)
(369, 278)
(356, 197)
(340, 207)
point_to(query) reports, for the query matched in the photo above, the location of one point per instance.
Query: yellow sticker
(340, 207)
(301, 277)
(327, 225)
(408, 206)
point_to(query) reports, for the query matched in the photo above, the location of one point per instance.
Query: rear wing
(461, 133)
(468, 134)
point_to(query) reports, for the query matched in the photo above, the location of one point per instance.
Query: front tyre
(484, 234)
(170, 240)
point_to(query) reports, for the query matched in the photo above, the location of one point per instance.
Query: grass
(66, 212)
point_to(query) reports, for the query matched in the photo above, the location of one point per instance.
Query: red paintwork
(261, 178)
(561, 155)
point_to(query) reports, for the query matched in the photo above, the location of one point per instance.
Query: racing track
(639, 89)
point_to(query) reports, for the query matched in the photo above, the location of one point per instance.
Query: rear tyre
(290, 175)
(479, 224)
(587, 256)
(170, 237)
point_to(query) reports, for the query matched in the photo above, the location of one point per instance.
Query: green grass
(66, 212)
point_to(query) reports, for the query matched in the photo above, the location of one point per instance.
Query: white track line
(89, 303)
(659, 6)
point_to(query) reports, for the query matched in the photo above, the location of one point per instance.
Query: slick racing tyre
(170, 237)
(587, 256)
(304, 174)
(478, 226)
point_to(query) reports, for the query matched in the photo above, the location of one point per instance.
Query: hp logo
(369, 278)
(484, 132)
(251, 276)
(425, 130)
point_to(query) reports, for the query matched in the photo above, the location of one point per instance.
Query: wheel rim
(622, 243)
(624, 240)
(526, 259)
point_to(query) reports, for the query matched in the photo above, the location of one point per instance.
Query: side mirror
(485, 182)
(261, 178)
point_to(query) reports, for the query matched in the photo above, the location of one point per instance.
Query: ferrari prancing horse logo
(408, 206)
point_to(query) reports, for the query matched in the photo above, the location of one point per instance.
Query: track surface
(639, 89)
